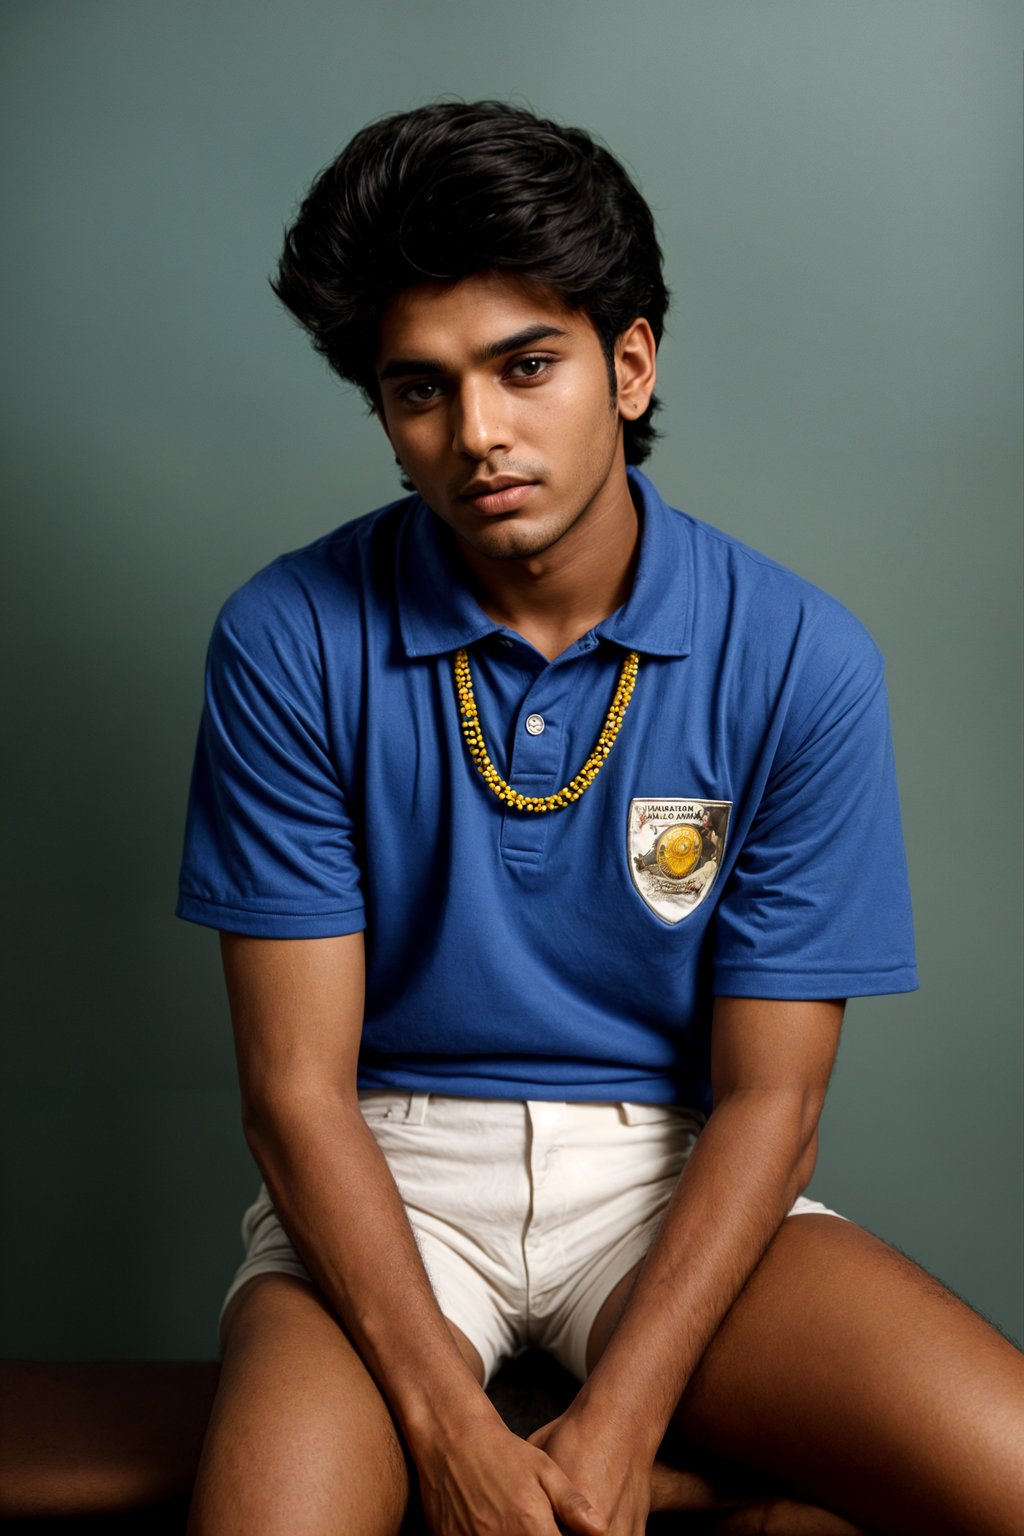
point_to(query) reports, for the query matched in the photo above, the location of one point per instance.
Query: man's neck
(553, 598)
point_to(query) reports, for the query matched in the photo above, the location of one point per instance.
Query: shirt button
(535, 724)
(506, 642)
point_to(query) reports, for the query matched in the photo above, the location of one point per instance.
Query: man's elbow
(806, 1161)
(785, 1120)
(276, 1113)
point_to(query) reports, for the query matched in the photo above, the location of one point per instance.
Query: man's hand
(494, 1484)
(616, 1476)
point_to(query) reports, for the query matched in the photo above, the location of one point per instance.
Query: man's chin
(510, 538)
(513, 544)
(503, 536)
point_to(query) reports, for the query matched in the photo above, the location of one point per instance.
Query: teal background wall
(839, 190)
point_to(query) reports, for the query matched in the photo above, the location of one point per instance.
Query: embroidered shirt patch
(675, 850)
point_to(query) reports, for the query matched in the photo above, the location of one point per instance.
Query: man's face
(497, 402)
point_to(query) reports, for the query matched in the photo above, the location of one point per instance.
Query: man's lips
(499, 495)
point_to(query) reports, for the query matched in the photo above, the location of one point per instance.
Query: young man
(533, 814)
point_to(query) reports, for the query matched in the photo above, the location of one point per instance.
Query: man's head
(456, 190)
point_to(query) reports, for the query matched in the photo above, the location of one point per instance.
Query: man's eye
(419, 394)
(530, 367)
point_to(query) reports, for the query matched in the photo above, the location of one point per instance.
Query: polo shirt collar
(437, 612)
(657, 617)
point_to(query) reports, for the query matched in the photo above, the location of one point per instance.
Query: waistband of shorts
(414, 1108)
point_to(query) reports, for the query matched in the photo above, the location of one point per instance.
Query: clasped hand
(615, 1478)
(495, 1484)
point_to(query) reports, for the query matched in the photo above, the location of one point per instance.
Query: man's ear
(636, 369)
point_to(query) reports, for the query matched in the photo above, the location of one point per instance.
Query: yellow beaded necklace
(474, 738)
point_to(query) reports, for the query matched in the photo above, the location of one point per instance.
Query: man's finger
(572, 1509)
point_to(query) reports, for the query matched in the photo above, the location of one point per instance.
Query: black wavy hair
(452, 189)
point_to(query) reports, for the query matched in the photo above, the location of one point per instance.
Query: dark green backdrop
(838, 186)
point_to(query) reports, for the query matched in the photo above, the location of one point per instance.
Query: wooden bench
(113, 1446)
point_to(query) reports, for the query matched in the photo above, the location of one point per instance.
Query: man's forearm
(297, 1012)
(751, 1161)
(339, 1203)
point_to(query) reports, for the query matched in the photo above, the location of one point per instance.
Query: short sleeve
(269, 841)
(818, 902)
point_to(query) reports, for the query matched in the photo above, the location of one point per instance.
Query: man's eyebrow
(403, 367)
(527, 337)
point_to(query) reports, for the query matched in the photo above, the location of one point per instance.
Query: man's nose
(481, 425)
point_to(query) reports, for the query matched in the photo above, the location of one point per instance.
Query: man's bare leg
(857, 1380)
(300, 1439)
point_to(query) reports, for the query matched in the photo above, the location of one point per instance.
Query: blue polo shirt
(743, 837)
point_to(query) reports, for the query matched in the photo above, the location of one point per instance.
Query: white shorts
(527, 1215)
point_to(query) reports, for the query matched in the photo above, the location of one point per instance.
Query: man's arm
(770, 1067)
(297, 1011)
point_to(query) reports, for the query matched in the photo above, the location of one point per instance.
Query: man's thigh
(300, 1439)
(850, 1374)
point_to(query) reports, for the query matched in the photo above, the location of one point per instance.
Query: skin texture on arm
(770, 1068)
(297, 1013)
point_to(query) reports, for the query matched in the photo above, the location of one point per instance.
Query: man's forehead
(436, 319)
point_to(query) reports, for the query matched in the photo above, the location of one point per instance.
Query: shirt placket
(537, 766)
